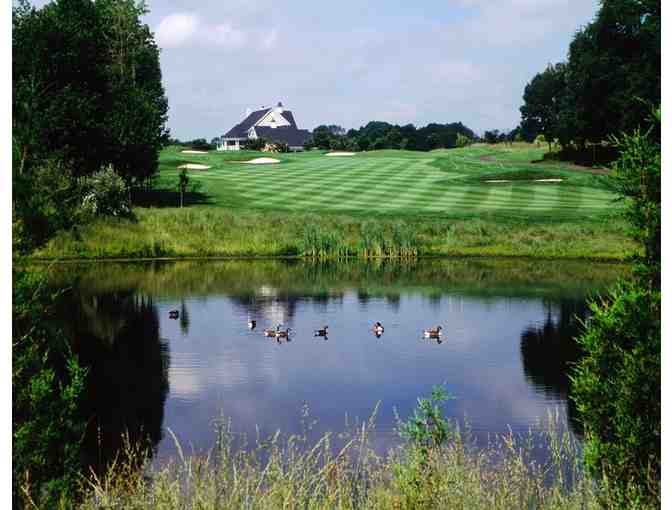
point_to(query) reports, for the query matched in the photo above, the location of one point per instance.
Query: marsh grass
(345, 472)
(215, 232)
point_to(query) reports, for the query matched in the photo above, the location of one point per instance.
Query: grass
(381, 203)
(345, 472)
(212, 232)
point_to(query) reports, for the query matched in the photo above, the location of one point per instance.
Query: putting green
(438, 183)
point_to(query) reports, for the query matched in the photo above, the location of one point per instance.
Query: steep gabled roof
(287, 114)
(240, 130)
(284, 134)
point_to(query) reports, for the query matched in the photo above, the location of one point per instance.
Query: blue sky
(349, 62)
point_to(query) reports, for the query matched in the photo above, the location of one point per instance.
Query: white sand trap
(194, 152)
(262, 161)
(194, 166)
(340, 153)
(524, 180)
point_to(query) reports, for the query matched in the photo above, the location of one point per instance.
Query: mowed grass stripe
(394, 182)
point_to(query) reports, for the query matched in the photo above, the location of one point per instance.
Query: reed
(211, 232)
(294, 472)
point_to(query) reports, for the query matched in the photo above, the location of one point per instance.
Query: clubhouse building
(273, 124)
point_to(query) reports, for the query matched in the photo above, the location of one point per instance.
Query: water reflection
(549, 350)
(504, 350)
(116, 336)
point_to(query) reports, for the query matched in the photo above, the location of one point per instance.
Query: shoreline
(78, 260)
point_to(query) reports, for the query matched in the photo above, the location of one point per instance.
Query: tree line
(377, 135)
(86, 96)
(607, 86)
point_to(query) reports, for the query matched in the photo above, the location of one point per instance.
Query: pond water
(503, 355)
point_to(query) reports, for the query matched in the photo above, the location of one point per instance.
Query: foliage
(427, 429)
(617, 384)
(617, 390)
(611, 74)
(47, 382)
(182, 183)
(105, 194)
(378, 135)
(292, 472)
(462, 140)
(87, 87)
(637, 178)
(254, 144)
(542, 99)
(45, 199)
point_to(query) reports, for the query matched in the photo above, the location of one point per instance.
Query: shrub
(254, 144)
(617, 391)
(45, 200)
(47, 384)
(617, 385)
(105, 194)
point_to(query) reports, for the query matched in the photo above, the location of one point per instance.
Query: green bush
(617, 391)
(105, 194)
(47, 384)
(45, 200)
(254, 144)
(617, 385)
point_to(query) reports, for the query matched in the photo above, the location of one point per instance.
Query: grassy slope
(440, 196)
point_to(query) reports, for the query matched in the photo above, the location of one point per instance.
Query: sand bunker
(526, 180)
(194, 152)
(194, 166)
(262, 161)
(340, 153)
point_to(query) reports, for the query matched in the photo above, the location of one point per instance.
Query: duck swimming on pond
(378, 329)
(283, 334)
(251, 323)
(270, 332)
(432, 333)
(321, 332)
(174, 314)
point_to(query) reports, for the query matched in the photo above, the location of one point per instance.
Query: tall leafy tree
(60, 88)
(543, 98)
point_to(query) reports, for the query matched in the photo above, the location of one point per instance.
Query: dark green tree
(542, 98)
(617, 385)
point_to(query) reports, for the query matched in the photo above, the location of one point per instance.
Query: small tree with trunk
(182, 184)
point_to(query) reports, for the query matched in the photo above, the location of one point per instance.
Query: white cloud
(183, 29)
(176, 29)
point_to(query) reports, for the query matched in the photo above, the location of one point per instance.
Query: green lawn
(442, 183)
(379, 203)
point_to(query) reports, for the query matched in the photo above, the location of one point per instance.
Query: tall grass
(211, 232)
(294, 472)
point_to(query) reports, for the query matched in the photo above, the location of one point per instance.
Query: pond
(504, 352)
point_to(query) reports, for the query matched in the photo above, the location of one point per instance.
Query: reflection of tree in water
(548, 351)
(116, 336)
(184, 318)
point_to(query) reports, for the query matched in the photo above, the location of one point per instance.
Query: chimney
(279, 107)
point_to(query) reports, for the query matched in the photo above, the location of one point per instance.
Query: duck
(378, 328)
(432, 333)
(270, 332)
(174, 314)
(251, 323)
(283, 334)
(321, 332)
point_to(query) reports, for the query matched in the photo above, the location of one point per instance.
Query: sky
(350, 62)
